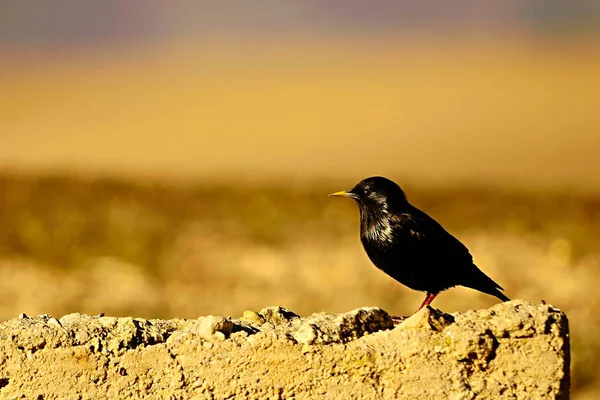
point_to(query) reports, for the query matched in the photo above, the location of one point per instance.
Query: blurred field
(152, 249)
(476, 109)
(222, 154)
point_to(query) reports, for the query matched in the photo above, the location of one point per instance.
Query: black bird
(410, 246)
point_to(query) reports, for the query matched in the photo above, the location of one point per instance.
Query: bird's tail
(497, 293)
(480, 281)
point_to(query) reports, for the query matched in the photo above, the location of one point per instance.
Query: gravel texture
(514, 350)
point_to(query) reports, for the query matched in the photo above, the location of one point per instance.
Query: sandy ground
(277, 354)
(131, 249)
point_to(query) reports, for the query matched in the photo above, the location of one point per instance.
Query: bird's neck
(375, 226)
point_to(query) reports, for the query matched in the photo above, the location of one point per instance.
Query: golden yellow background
(189, 175)
(478, 110)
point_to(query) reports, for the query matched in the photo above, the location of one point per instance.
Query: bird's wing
(443, 254)
(429, 238)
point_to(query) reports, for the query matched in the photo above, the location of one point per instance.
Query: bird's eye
(366, 192)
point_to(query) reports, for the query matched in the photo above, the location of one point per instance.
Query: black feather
(410, 246)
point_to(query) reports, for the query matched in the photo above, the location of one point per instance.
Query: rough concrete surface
(514, 350)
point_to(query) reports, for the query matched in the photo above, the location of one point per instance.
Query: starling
(412, 247)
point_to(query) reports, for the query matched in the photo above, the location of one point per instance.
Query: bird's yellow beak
(343, 193)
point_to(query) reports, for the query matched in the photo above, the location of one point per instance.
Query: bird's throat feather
(377, 227)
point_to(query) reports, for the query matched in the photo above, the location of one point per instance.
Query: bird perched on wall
(412, 247)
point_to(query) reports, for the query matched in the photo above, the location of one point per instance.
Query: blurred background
(173, 159)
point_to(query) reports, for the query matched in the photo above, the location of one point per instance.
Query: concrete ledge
(514, 350)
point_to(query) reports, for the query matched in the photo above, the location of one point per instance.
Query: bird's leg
(428, 299)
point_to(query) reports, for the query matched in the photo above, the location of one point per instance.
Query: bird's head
(376, 194)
